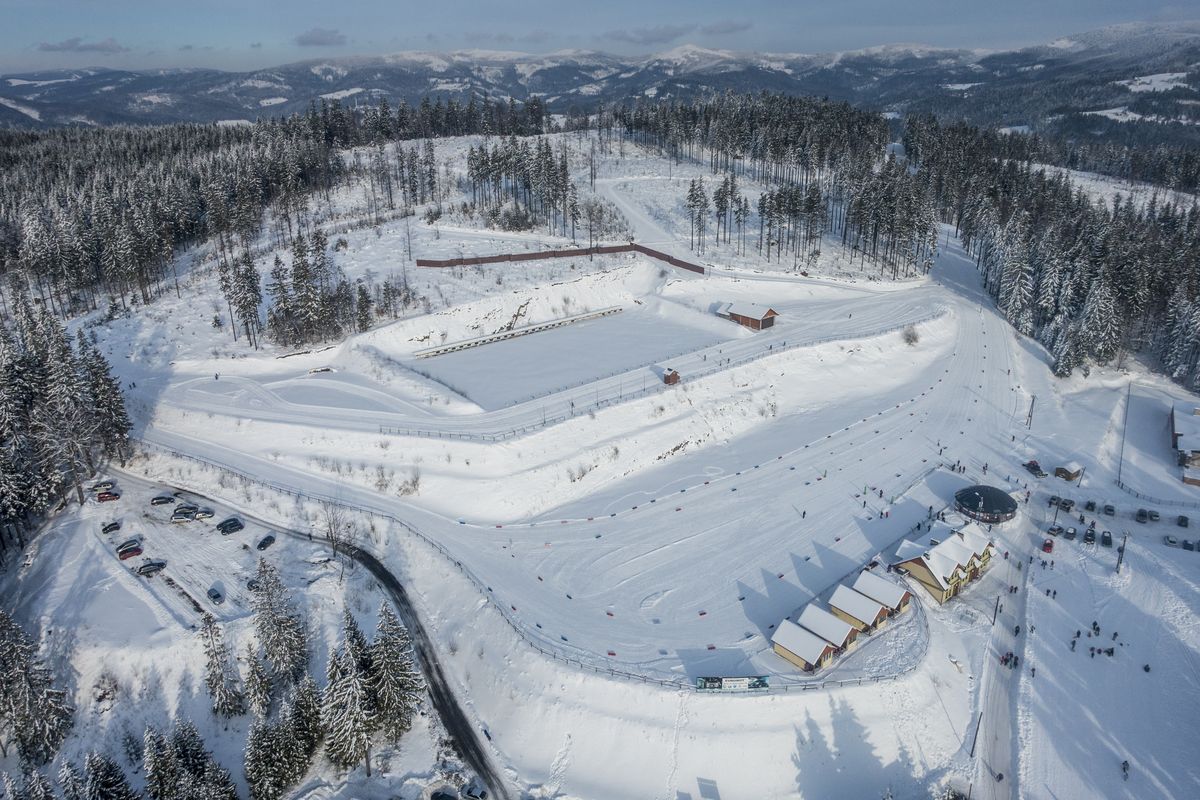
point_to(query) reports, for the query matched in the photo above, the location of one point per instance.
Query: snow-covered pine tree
(262, 764)
(105, 780)
(37, 786)
(159, 766)
(397, 686)
(346, 714)
(219, 676)
(279, 629)
(258, 684)
(71, 782)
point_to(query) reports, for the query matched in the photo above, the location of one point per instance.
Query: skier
(1125, 769)
(1054, 595)
(1016, 630)
(216, 376)
(1072, 645)
(1114, 636)
(1033, 672)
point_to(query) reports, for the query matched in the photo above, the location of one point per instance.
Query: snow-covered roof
(942, 565)
(973, 538)
(956, 549)
(825, 625)
(1072, 466)
(750, 310)
(1187, 425)
(794, 639)
(860, 607)
(880, 589)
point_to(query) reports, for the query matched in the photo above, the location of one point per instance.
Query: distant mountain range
(1142, 73)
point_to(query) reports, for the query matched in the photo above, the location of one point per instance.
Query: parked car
(1048, 546)
(107, 497)
(183, 515)
(110, 527)
(231, 525)
(129, 543)
(101, 486)
(252, 584)
(1153, 515)
(266, 542)
(1090, 505)
(1181, 521)
(1054, 500)
(1035, 468)
(1089, 536)
(1142, 515)
(1055, 530)
(204, 513)
(187, 507)
(151, 568)
(1066, 504)
(473, 791)
(129, 553)
(1109, 510)
(162, 500)
(1170, 541)
(1106, 538)
(215, 595)
(1070, 534)
(1187, 544)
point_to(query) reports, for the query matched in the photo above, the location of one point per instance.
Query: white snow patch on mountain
(23, 82)
(959, 87)
(33, 113)
(1161, 82)
(272, 101)
(258, 83)
(342, 94)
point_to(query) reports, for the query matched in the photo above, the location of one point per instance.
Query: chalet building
(1185, 438)
(670, 377)
(859, 611)
(751, 315)
(1071, 471)
(944, 568)
(837, 632)
(894, 597)
(806, 650)
(985, 503)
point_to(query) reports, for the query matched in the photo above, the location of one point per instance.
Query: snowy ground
(663, 531)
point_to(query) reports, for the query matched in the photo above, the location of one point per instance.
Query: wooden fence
(466, 261)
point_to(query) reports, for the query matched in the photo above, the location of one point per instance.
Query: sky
(251, 34)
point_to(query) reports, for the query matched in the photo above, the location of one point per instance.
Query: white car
(1170, 541)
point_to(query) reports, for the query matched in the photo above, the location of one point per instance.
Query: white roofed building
(803, 648)
(837, 632)
(859, 611)
(892, 595)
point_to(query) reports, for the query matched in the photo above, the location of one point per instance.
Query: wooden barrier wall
(539, 255)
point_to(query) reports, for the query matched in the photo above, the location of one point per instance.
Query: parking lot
(1092, 520)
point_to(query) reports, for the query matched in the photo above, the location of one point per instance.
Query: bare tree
(337, 527)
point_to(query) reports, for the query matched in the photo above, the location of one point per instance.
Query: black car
(151, 568)
(253, 584)
(1066, 504)
(1109, 510)
(1153, 515)
(1182, 521)
(266, 542)
(1106, 538)
(1187, 545)
(216, 596)
(110, 527)
(231, 525)
(1142, 515)
(1089, 537)
(1090, 505)
(1054, 500)
(162, 500)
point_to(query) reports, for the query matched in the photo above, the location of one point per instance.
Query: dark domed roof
(984, 499)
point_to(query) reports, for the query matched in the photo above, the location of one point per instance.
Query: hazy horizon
(227, 35)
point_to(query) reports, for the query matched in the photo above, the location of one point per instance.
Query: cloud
(256, 45)
(77, 45)
(726, 26)
(658, 34)
(186, 47)
(530, 37)
(321, 37)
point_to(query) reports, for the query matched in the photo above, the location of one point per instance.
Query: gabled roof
(794, 639)
(941, 565)
(880, 589)
(974, 539)
(955, 548)
(825, 625)
(862, 608)
(750, 310)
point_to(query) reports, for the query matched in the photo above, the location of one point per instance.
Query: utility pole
(1082, 471)
(1121, 551)
(996, 610)
(1029, 416)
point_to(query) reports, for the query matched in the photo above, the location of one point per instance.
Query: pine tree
(219, 675)
(72, 782)
(346, 714)
(258, 685)
(160, 767)
(363, 312)
(104, 779)
(279, 629)
(37, 787)
(397, 686)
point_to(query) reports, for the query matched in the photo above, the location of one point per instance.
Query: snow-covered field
(580, 505)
